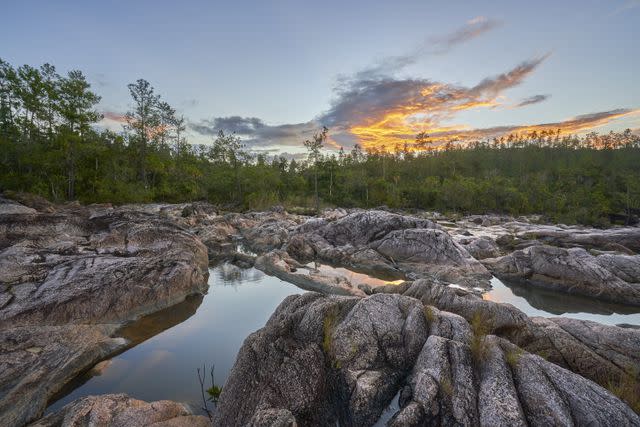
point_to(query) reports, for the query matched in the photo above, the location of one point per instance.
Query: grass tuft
(627, 388)
(481, 326)
(513, 357)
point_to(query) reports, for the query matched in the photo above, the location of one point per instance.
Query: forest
(51, 145)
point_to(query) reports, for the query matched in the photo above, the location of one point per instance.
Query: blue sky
(301, 64)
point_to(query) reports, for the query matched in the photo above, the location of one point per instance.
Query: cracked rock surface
(385, 242)
(327, 359)
(69, 278)
(609, 277)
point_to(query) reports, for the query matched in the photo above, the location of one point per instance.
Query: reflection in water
(151, 325)
(163, 363)
(544, 302)
(353, 277)
(169, 345)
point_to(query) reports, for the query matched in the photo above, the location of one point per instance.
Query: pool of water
(170, 345)
(549, 303)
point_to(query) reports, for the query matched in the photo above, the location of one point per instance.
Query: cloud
(569, 126)
(255, 132)
(434, 45)
(472, 29)
(626, 5)
(383, 112)
(114, 117)
(112, 120)
(533, 100)
(491, 87)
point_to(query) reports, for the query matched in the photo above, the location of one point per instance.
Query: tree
(314, 145)
(143, 121)
(231, 150)
(76, 107)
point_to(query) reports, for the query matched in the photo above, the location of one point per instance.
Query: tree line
(50, 145)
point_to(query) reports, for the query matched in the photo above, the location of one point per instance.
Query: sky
(374, 72)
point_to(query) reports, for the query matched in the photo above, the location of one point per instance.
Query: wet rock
(327, 359)
(573, 271)
(123, 411)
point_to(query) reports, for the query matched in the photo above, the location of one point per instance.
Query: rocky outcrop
(609, 277)
(327, 359)
(384, 242)
(69, 279)
(480, 247)
(604, 354)
(122, 411)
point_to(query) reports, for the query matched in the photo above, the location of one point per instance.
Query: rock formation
(69, 279)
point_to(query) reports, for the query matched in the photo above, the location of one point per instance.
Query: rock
(36, 361)
(125, 264)
(33, 201)
(10, 207)
(69, 279)
(122, 411)
(481, 247)
(622, 239)
(384, 242)
(603, 354)
(429, 252)
(322, 360)
(573, 271)
(278, 263)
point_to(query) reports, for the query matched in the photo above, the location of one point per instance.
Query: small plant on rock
(627, 388)
(513, 357)
(481, 326)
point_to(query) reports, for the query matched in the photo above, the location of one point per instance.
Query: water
(548, 303)
(168, 346)
(174, 342)
(354, 277)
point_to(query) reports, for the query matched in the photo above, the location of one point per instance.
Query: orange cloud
(395, 131)
(387, 113)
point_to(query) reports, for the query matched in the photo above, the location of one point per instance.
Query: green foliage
(328, 325)
(429, 314)
(627, 388)
(481, 325)
(50, 146)
(214, 392)
(513, 357)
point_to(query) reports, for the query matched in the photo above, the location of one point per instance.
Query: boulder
(69, 279)
(387, 243)
(573, 271)
(322, 360)
(122, 411)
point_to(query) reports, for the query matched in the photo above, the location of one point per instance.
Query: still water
(548, 303)
(174, 342)
(168, 346)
